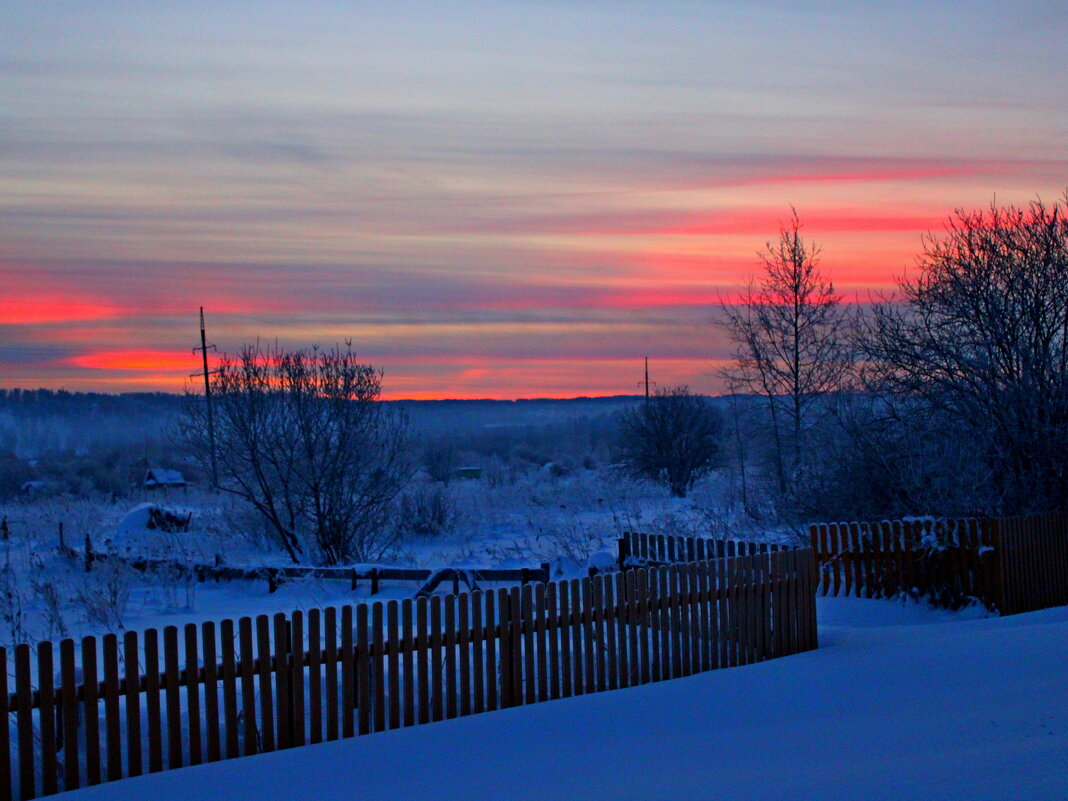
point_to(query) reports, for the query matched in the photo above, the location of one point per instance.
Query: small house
(157, 478)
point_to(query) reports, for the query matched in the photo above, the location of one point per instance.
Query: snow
(898, 702)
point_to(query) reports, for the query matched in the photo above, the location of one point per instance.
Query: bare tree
(789, 329)
(979, 341)
(672, 438)
(302, 436)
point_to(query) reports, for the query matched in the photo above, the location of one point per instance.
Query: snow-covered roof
(158, 477)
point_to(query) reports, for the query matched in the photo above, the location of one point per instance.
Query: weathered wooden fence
(1012, 565)
(276, 575)
(636, 549)
(218, 691)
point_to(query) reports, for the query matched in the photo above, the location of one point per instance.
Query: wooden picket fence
(637, 549)
(219, 691)
(1011, 565)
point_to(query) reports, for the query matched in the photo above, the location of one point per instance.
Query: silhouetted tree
(301, 435)
(789, 329)
(977, 345)
(673, 438)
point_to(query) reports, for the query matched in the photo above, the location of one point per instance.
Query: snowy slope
(886, 709)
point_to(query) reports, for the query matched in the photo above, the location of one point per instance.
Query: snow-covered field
(899, 702)
(520, 523)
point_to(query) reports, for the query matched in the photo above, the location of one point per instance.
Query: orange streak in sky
(136, 360)
(52, 309)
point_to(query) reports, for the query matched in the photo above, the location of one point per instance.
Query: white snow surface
(897, 703)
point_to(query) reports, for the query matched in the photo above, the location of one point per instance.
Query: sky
(493, 199)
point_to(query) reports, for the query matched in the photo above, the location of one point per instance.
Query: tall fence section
(155, 701)
(1012, 565)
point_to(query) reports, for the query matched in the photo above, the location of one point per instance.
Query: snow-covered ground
(522, 523)
(899, 702)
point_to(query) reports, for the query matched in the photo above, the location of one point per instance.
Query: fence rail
(276, 575)
(1011, 565)
(218, 691)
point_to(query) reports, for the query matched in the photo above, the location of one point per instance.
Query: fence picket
(359, 671)
(248, 689)
(229, 688)
(283, 699)
(24, 719)
(393, 655)
(449, 639)
(5, 730)
(296, 678)
(541, 641)
(192, 692)
(407, 635)
(564, 635)
(211, 691)
(132, 683)
(69, 710)
(90, 690)
(47, 718)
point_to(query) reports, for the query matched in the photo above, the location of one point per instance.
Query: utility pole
(647, 381)
(207, 398)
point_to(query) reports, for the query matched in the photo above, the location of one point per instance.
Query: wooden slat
(422, 659)
(192, 693)
(578, 673)
(642, 625)
(635, 629)
(621, 651)
(351, 677)
(378, 665)
(6, 788)
(264, 684)
(280, 663)
(315, 676)
(296, 678)
(685, 635)
(331, 663)
(229, 687)
(24, 720)
(112, 724)
(248, 687)
(437, 705)
(90, 679)
(449, 642)
(393, 650)
(656, 669)
(609, 644)
(597, 610)
(744, 609)
(172, 694)
(47, 720)
(408, 646)
(464, 647)
(552, 626)
(211, 691)
(541, 642)
(69, 711)
(491, 629)
(589, 642)
(363, 671)
(153, 701)
(132, 685)
(563, 595)
(525, 625)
